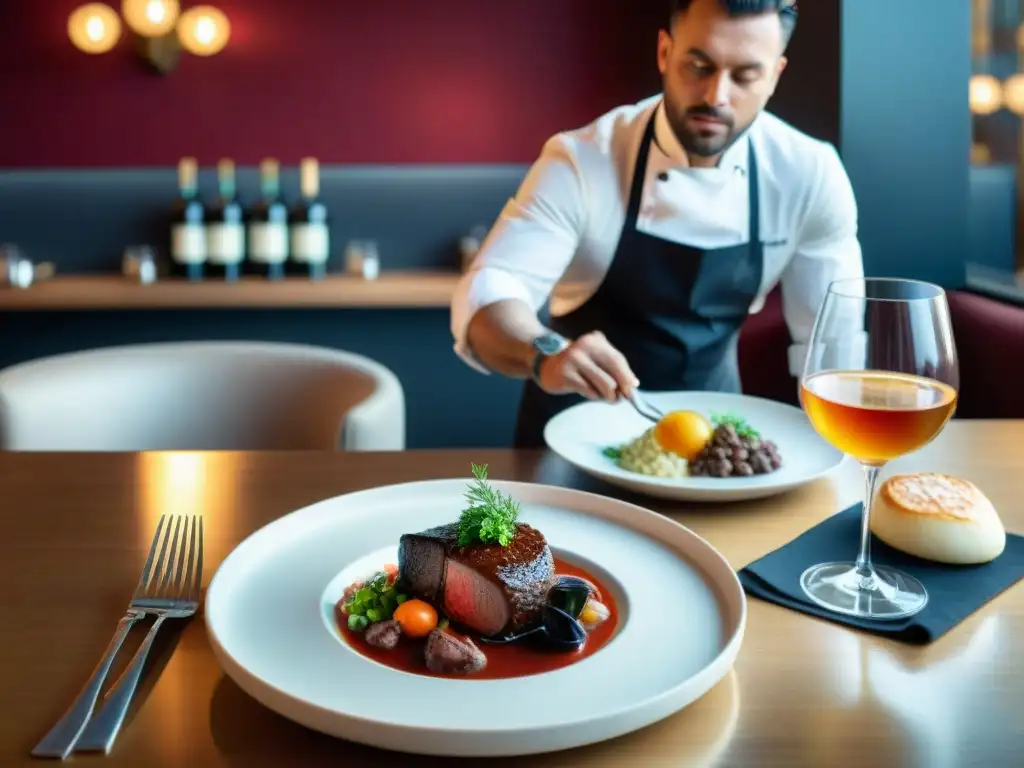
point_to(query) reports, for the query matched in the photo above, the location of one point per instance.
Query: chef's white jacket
(556, 238)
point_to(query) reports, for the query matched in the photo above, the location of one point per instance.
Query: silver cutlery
(155, 594)
(166, 599)
(643, 407)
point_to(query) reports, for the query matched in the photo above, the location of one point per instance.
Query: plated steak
(485, 587)
(421, 560)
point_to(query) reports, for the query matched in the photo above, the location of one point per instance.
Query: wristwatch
(546, 345)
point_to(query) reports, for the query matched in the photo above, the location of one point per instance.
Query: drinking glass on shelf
(880, 381)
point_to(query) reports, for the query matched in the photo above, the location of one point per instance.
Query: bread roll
(938, 517)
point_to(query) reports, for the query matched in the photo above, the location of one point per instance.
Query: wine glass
(880, 380)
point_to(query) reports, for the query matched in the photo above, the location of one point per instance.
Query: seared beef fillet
(485, 587)
(421, 559)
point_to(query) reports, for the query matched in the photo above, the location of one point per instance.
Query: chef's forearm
(500, 336)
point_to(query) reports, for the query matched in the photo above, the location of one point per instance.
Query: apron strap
(636, 190)
(754, 196)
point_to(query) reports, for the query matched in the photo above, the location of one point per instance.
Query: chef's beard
(698, 142)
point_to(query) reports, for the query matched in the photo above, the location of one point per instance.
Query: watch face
(549, 344)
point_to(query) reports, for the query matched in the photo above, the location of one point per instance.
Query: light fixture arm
(162, 53)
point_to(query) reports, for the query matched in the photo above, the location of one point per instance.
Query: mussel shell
(569, 594)
(513, 638)
(560, 629)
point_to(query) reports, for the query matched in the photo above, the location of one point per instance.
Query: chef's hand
(591, 367)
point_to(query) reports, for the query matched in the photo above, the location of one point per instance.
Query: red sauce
(503, 661)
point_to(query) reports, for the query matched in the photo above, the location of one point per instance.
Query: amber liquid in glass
(876, 416)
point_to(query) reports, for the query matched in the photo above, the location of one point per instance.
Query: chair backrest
(763, 353)
(207, 395)
(989, 338)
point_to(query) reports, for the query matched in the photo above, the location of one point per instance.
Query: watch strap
(546, 345)
(538, 359)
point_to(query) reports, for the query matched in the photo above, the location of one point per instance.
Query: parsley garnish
(743, 429)
(490, 517)
(612, 452)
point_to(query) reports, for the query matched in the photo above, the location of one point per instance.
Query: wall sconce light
(986, 94)
(204, 30)
(160, 29)
(150, 18)
(1013, 94)
(94, 28)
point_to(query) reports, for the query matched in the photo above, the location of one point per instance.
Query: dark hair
(785, 8)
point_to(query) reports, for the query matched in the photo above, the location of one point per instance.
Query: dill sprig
(490, 517)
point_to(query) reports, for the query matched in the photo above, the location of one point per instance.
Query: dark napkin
(954, 591)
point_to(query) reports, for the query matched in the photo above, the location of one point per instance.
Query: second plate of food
(728, 447)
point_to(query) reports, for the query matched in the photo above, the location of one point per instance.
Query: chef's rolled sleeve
(530, 246)
(828, 249)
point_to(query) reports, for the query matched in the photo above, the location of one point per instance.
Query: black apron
(673, 310)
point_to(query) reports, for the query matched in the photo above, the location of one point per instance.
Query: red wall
(399, 81)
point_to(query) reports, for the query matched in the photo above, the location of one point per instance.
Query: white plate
(269, 608)
(579, 434)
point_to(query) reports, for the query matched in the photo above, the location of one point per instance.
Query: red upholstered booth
(989, 339)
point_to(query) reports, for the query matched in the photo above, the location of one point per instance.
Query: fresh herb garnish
(490, 517)
(743, 429)
(376, 600)
(612, 452)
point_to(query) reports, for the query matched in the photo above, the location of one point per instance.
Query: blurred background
(392, 134)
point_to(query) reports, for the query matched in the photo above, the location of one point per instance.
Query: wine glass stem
(864, 569)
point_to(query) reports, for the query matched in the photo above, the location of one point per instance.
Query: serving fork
(169, 588)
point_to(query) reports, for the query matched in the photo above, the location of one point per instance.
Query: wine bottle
(268, 225)
(225, 227)
(310, 235)
(188, 233)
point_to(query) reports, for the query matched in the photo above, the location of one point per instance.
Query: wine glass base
(890, 594)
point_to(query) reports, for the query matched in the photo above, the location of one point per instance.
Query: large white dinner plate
(269, 609)
(580, 434)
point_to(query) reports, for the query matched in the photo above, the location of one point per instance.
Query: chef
(655, 230)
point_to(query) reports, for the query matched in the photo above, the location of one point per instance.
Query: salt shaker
(139, 262)
(362, 259)
(17, 271)
(371, 261)
(469, 246)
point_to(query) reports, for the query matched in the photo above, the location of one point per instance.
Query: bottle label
(188, 243)
(310, 243)
(225, 243)
(268, 242)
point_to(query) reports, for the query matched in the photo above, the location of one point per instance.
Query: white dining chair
(206, 395)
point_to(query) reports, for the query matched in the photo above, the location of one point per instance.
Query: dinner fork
(165, 600)
(62, 738)
(643, 407)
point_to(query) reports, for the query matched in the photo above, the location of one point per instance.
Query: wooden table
(803, 692)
